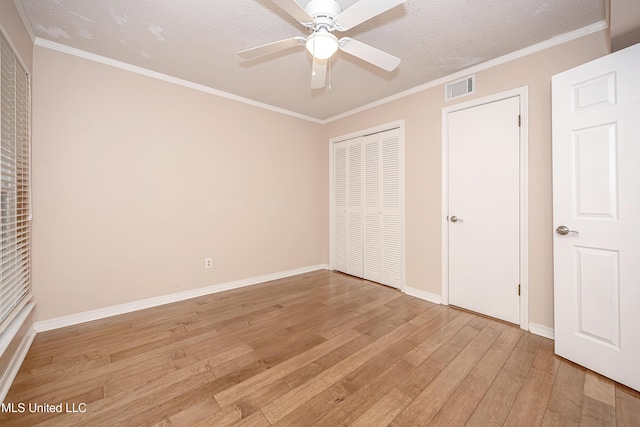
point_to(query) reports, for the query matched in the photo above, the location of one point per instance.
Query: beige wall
(136, 181)
(422, 113)
(12, 25)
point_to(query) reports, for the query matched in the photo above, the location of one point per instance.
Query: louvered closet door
(340, 229)
(354, 208)
(391, 209)
(367, 215)
(348, 212)
(382, 231)
(373, 208)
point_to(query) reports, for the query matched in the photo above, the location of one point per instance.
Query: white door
(340, 207)
(373, 210)
(382, 199)
(596, 196)
(354, 207)
(347, 207)
(367, 224)
(484, 209)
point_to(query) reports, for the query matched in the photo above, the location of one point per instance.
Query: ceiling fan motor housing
(323, 12)
(321, 43)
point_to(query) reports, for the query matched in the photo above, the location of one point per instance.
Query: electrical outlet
(208, 262)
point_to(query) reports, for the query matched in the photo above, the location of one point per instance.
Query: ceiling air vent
(462, 87)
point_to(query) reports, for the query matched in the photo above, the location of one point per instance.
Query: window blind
(15, 264)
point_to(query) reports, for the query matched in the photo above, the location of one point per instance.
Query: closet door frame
(361, 133)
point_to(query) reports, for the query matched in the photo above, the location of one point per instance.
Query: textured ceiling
(198, 41)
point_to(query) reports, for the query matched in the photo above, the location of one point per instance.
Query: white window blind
(15, 264)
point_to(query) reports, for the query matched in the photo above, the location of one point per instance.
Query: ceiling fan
(322, 18)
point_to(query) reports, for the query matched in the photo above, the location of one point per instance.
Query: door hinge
(519, 120)
(518, 290)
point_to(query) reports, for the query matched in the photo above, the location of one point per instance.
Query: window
(15, 202)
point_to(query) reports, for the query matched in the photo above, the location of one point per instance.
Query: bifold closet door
(367, 207)
(348, 228)
(382, 225)
(340, 230)
(354, 208)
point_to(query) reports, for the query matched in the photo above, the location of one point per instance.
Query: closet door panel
(355, 211)
(340, 229)
(372, 225)
(390, 208)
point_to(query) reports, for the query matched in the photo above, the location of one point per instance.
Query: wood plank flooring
(321, 349)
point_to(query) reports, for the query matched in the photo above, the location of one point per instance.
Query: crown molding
(554, 41)
(48, 44)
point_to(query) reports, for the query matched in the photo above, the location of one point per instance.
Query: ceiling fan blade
(318, 73)
(270, 48)
(363, 11)
(295, 10)
(369, 53)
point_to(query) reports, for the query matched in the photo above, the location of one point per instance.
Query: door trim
(522, 93)
(399, 124)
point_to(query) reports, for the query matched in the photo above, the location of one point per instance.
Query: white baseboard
(87, 316)
(543, 331)
(427, 296)
(18, 357)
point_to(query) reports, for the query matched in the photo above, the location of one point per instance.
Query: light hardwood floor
(321, 349)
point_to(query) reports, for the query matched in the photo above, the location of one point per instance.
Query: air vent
(460, 88)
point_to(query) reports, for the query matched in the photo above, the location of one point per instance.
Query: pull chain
(329, 72)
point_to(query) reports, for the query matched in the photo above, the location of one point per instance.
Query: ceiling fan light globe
(322, 45)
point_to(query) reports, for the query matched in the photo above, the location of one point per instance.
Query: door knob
(564, 230)
(455, 219)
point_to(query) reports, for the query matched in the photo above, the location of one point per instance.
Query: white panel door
(382, 200)
(484, 209)
(596, 213)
